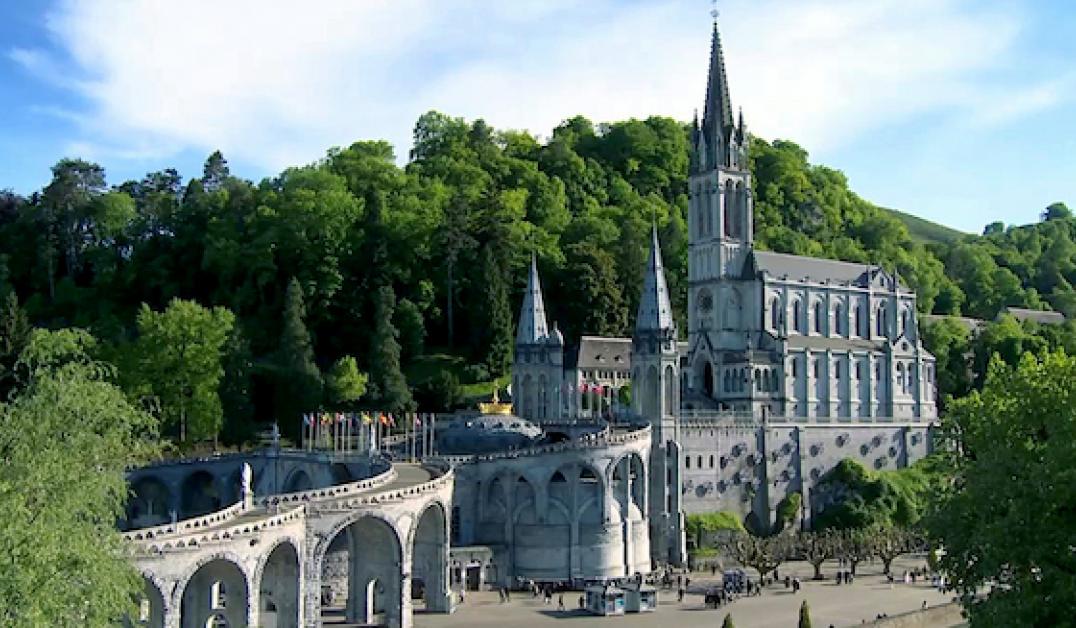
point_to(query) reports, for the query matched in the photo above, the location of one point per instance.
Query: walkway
(841, 606)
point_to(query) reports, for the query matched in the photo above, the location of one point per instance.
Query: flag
(306, 420)
(366, 418)
(418, 421)
(392, 419)
(325, 418)
(384, 419)
(339, 417)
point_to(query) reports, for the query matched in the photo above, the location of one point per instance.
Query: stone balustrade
(187, 525)
(223, 534)
(591, 441)
(331, 492)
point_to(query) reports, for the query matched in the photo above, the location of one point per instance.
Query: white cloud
(277, 83)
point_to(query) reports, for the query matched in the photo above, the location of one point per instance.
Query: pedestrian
(500, 594)
(507, 594)
(463, 594)
(680, 594)
(713, 569)
(687, 583)
(582, 602)
(560, 602)
(788, 582)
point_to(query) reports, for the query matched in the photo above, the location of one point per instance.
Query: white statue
(247, 479)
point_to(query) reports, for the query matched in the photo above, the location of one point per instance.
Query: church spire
(532, 325)
(655, 310)
(718, 112)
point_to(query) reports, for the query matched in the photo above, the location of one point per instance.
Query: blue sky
(959, 111)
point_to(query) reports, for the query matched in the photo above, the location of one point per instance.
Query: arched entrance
(150, 608)
(148, 504)
(429, 561)
(362, 575)
(198, 495)
(279, 588)
(216, 595)
(298, 481)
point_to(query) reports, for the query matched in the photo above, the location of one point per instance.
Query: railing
(590, 441)
(246, 528)
(185, 525)
(330, 492)
(447, 475)
(717, 418)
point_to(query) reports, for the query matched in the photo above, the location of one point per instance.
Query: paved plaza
(777, 607)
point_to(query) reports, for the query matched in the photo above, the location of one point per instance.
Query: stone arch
(590, 495)
(151, 608)
(149, 503)
(277, 577)
(298, 481)
(216, 585)
(527, 410)
(341, 474)
(797, 316)
(672, 385)
(708, 378)
(428, 541)
(653, 392)
(374, 571)
(198, 495)
(631, 468)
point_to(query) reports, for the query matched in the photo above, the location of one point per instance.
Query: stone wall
(944, 616)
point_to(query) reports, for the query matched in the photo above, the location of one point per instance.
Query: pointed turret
(655, 310)
(718, 112)
(532, 325)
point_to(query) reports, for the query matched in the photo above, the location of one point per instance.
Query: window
(837, 370)
(217, 621)
(775, 314)
(711, 461)
(699, 461)
(817, 367)
(793, 367)
(881, 322)
(839, 319)
(817, 317)
(687, 462)
(858, 321)
(797, 316)
(859, 374)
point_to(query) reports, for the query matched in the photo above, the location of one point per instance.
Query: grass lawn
(425, 367)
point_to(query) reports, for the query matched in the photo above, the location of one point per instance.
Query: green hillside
(926, 231)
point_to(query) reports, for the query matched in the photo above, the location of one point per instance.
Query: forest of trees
(225, 303)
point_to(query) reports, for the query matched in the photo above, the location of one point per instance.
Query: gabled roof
(596, 352)
(532, 324)
(655, 310)
(799, 268)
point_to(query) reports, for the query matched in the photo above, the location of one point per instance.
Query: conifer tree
(805, 615)
(299, 383)
(498, 353)
(387, 383)
(14, 334)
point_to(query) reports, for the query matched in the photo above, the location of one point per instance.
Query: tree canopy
(66, 438)
(1006, 521)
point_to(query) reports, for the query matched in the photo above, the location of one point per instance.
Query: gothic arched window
(839, 321)
(818, 317)
(797, 316)
(775, 313)
(880, 321)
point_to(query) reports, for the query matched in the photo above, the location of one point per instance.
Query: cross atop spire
(532, 324)
(655, 310)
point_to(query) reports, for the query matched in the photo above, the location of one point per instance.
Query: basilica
(782, 353)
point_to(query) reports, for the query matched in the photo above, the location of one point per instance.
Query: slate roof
(1042, 317)
(532, 324)
(799, 267)
(655, 309)
(605, 353)
(968, 323)
(834, 344)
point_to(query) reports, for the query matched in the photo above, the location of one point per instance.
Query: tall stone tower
(655, 383)
(720, 226)
(538, 366)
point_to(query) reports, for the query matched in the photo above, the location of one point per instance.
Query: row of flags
(387, 419)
